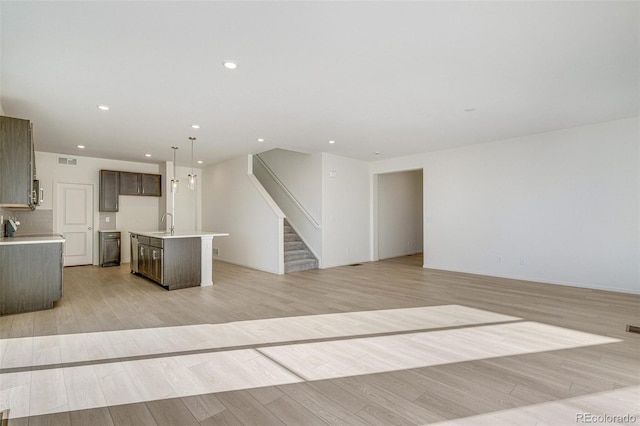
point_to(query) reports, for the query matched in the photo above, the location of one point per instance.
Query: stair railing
(286, 191)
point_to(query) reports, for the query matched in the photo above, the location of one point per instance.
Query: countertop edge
(30, 240)
(152, 234)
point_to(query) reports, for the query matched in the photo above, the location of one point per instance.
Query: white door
(74, 203)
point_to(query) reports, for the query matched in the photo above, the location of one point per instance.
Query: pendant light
(193, 178)
(174, 181)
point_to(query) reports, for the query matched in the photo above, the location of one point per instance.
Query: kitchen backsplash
(107, 221)
(34, 222)
(41, 221)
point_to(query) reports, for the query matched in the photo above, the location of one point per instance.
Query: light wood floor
(553, 386)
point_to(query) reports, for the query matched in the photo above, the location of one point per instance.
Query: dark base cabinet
(171, 262)
(31, 277)
(109, 248)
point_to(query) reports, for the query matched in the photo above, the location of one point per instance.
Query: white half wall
(561, 207)
(399, 214)
(301, 174)
(345, 211)
(135, 213)
(233, 203)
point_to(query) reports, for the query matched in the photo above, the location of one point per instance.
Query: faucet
(12, 226)
(172, 223)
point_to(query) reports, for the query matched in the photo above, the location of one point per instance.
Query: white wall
(560, 207)
(233, 203)
(345, 211)
(135, 213)
(187, 214)
(399, 214)
(301, 174)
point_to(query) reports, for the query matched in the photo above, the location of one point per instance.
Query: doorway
(400, 214)
(74, 206)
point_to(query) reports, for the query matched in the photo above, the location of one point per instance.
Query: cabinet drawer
(143, 240)
(156, 242)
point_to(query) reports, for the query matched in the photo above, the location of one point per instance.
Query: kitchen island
(178, 260)
(30, 273)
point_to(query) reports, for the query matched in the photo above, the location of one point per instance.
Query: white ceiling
(393, 77)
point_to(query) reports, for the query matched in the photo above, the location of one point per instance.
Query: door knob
(89, 228)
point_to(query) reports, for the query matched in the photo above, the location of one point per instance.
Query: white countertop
(46, 239)
(162, 234)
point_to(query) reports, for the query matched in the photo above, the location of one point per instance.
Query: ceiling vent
(68, 161)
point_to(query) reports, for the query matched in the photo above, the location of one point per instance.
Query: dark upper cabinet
(130, 183)
(109, 190)
(140, 184)
(17, 164)
(151, 185)
(115, 183)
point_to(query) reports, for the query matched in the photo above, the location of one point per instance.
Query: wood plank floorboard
(225, 418)
(291, 412)
(169, 412)
(248, 410)
(132, 415)
(93, 417)
(110, 299)
(57, 419)
(321, 405)
(203, 406)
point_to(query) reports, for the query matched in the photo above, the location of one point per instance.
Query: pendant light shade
(174, 181)
(193, 178)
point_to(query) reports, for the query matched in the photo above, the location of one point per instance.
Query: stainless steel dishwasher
(134, 253)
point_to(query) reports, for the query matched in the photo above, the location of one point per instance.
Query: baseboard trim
(538, 280)
(241, 264)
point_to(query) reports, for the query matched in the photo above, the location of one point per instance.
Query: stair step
(300, 265)
(291, 236)
(297, 254)
(293, 245)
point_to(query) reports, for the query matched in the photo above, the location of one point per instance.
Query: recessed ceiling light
(469, 109)
(376, 153)
(195, 126)
(200, 161)
(231, 65)
(147, 155)
(260, 140)
(81, 146)
(104, 107)
(332, 142)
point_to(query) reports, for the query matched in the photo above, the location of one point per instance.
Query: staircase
(297, 256)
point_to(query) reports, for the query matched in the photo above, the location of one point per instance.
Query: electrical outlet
(216, 251)
(107, 219)
(523, 261)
